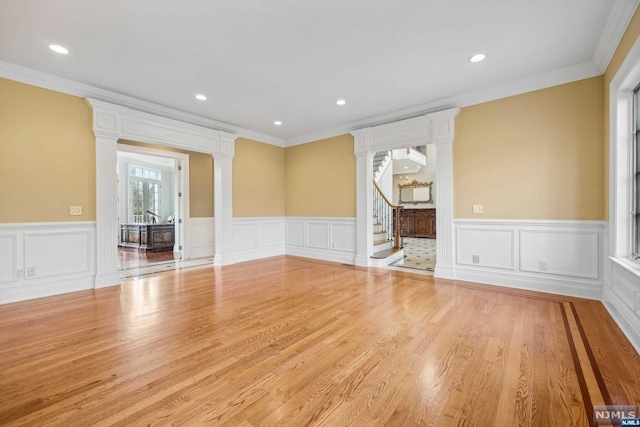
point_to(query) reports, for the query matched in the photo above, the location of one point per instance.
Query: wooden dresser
(148, 237)
(419, 223)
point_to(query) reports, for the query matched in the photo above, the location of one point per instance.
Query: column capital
(443, 125)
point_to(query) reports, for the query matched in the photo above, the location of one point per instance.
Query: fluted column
(443, 135)
(223, 200)
(444, 211)
(106, 210)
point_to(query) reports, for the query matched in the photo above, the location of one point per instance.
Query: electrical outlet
(75, 210)
(31, 271)
(476, 209)
(542, 265)
(20, 272)
(476, 259)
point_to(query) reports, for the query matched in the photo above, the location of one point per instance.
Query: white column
(223, 208)
(364, 208)
(444, 211)
(106, 210)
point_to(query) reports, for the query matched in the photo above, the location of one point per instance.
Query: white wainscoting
(330, 239)
(621, 297)
(257, 237)
(43, 259)
(200, 237)
(561, 257)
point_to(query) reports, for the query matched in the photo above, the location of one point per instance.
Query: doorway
(412, 186)
(152, 204)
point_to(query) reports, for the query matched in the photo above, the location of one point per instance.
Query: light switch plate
(477, 209)
(75, 210)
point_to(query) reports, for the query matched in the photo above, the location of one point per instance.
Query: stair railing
(388, 215)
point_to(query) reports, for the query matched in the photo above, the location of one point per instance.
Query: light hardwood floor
(289, 341)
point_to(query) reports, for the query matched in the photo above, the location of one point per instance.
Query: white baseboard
(531, 283)
(251, 255)
(45, 288)
(325, 255)
(625, 318)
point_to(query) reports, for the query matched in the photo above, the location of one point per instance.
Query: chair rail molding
(433, 128)
(112, 122)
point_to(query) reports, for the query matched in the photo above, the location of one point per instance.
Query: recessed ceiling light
(58, 49)
(201, 97)
(341, 102)
(277, 123)
(477, 57)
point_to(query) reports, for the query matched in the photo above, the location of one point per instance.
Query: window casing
(144, 194)
(635, 178)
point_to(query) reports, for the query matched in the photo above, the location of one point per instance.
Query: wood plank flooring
(289, 341)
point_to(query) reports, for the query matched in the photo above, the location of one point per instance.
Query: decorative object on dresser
(415, 193)
(419, 223)
(148, 237)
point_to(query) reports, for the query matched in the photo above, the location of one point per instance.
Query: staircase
(387, 227)
(380, 162)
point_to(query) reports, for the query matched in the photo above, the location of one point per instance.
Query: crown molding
(540, 81)
(615, 27)
(70, 87)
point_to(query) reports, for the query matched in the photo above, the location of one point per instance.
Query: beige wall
(47, 151)
(258, 179)
(200, 179)
(629, 38)
(537, 155)
(321, 178)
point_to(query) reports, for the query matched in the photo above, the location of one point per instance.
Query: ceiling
(290, 60)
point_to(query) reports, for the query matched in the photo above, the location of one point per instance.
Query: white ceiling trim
(541, 81)
(70, 87)
(617, 23)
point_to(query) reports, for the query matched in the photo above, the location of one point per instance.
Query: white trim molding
(112, 122)
(617, 23)
(43, 259)
(560, 257)
(326, 238)
(434, 128)
(622, 281)
(70, 87)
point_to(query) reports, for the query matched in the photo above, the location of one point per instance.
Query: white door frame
(433, 128)
(112, 122)
(181, 188)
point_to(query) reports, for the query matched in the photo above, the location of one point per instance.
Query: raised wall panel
(295, 233)
(570, 253)
(201, 237)
(493, 247)
(272, 234)
(622, 283)
(325, 238)
(343, 237)
(57, 253)
(246, 236)
(317, 235)
(8, 257)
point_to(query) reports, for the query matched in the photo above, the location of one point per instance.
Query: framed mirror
(415, 193)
